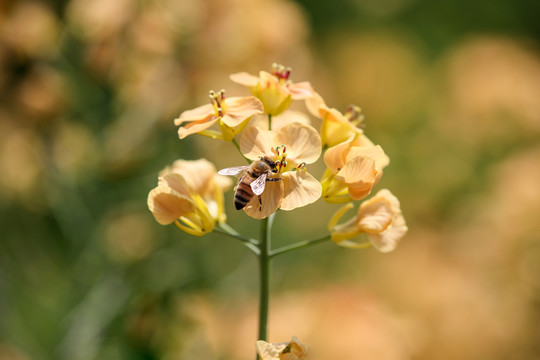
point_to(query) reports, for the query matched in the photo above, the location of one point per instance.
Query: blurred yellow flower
(291, 147)
(353, 168)
(290, 350)
(276, 90)
(380, 218)
(231, 114)
(190, 194)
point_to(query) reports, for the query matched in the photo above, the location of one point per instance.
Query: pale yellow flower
(291, 147)
(336, 127)
(380, 218)
(231, 114)
(290, 350)
(354, 167)
(276, 90)
(190, 194)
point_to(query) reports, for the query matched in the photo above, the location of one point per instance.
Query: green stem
(264, 273)
(298, 245)
(235, 143)
(248, 242)
(269, 122)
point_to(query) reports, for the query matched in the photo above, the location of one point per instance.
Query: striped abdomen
(243, 192)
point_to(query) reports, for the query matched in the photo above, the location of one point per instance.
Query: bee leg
(260, 202)
(273, 179)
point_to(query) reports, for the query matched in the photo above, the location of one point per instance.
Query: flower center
(280, 153)
(354, 114)
(218, 102)
(281, 72)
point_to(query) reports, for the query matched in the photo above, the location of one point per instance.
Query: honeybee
(252, 180)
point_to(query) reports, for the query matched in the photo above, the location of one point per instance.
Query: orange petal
(360, 176)
(303, 142)
(195, 127)
(256, 142)
(270, 198)
(201, 113)
(299, 189)
(167, 205)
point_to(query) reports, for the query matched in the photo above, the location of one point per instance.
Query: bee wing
(258, 185)
(233, 170)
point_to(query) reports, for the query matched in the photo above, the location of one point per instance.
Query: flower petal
(335, 128)
(314, 103)
(196, 126)
(174, 181)
(303, 142)
(197, 174)
(390, 238)
(358, 169)
(374, 152)
(335, 158)
(273, 192)
(301, 90)
(240, 109)
(375, 216)
(243, 78)
(201, 113)
(168, 205)
(299, 189)
(256, 142)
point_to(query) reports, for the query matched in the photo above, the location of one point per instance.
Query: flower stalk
(264, 275)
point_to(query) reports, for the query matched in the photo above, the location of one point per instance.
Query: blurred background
(88, 94)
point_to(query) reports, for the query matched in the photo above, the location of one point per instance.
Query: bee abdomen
(242, 195)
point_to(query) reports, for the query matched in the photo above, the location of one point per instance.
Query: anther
(286, 73)
(354, 114)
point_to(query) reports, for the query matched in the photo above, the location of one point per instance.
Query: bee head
(270, 163)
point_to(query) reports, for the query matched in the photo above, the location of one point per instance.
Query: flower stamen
(218, 102)
(281, 72)
(301, 166)
(354, 114)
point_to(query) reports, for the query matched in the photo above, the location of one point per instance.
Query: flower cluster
(261, 126)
